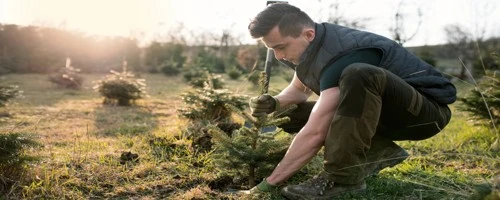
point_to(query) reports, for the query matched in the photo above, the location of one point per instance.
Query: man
(371, 92)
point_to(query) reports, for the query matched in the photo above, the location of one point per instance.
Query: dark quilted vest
(333, 41)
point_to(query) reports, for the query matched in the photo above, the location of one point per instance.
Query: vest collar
(315, 43)
(312, 50)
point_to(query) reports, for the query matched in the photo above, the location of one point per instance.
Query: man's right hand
(263, 104)
(262, 187)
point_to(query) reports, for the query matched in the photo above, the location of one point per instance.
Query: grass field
(83, 141)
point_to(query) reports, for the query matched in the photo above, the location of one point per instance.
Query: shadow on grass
(124, 120)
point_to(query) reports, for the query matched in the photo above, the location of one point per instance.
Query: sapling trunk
(264, 83)
(251, 176)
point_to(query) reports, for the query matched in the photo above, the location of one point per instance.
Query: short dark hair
(290, 20)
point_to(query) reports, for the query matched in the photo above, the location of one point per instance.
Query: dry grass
(83, 141)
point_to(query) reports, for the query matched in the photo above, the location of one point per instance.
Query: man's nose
(279, 54)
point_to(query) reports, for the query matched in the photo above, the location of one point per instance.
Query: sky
(147, 19)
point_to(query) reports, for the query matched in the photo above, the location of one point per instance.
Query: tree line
(34, 49)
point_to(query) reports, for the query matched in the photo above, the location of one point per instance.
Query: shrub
(67, 77)
(484, 101)
(205, 106)
(486, 92)
(253, 77)
(197, 78)
(207, 103)
(170, 69)
(234, 73)
(13, 158)
(192, 74)
(165, 57)
(209, 62)
(8, 92)
(121, 88)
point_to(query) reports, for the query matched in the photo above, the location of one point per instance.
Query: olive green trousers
(375, 108)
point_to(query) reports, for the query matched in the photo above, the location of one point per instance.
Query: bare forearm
(292, 95)
(300, 152)
(310, 139)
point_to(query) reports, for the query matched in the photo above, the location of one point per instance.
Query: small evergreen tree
(251, 151)
(234, 73)
(198, 77)
(208, 102)
(13, 157)
(206, 105)
(165, 57)
(8, 92)
(483, 101)
(207, 60)
(254, 78)
(170, 68)
(67, 77)
(121, 88)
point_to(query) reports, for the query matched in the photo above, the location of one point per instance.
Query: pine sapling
(484, 101)
(67, 77)
(251, 150)
(121, 88)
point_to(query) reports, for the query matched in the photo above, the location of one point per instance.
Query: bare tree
(460, 42)
(227, 39)
(468, 43)
(400, 31)
(177, 34)
(481, 10)
(337, 16)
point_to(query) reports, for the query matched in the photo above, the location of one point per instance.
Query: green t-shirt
(331, 74)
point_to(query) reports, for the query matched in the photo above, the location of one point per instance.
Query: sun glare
(110, 17)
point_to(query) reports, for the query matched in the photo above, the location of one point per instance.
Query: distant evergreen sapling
(8, 92)
(67, 77)
(250, 151)
(198, 77)
(234, 73)
(121, 88)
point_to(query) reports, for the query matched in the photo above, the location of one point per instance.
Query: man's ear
(309, 34)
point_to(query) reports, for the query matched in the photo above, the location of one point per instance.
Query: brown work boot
(379, 159)
(320, 187)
